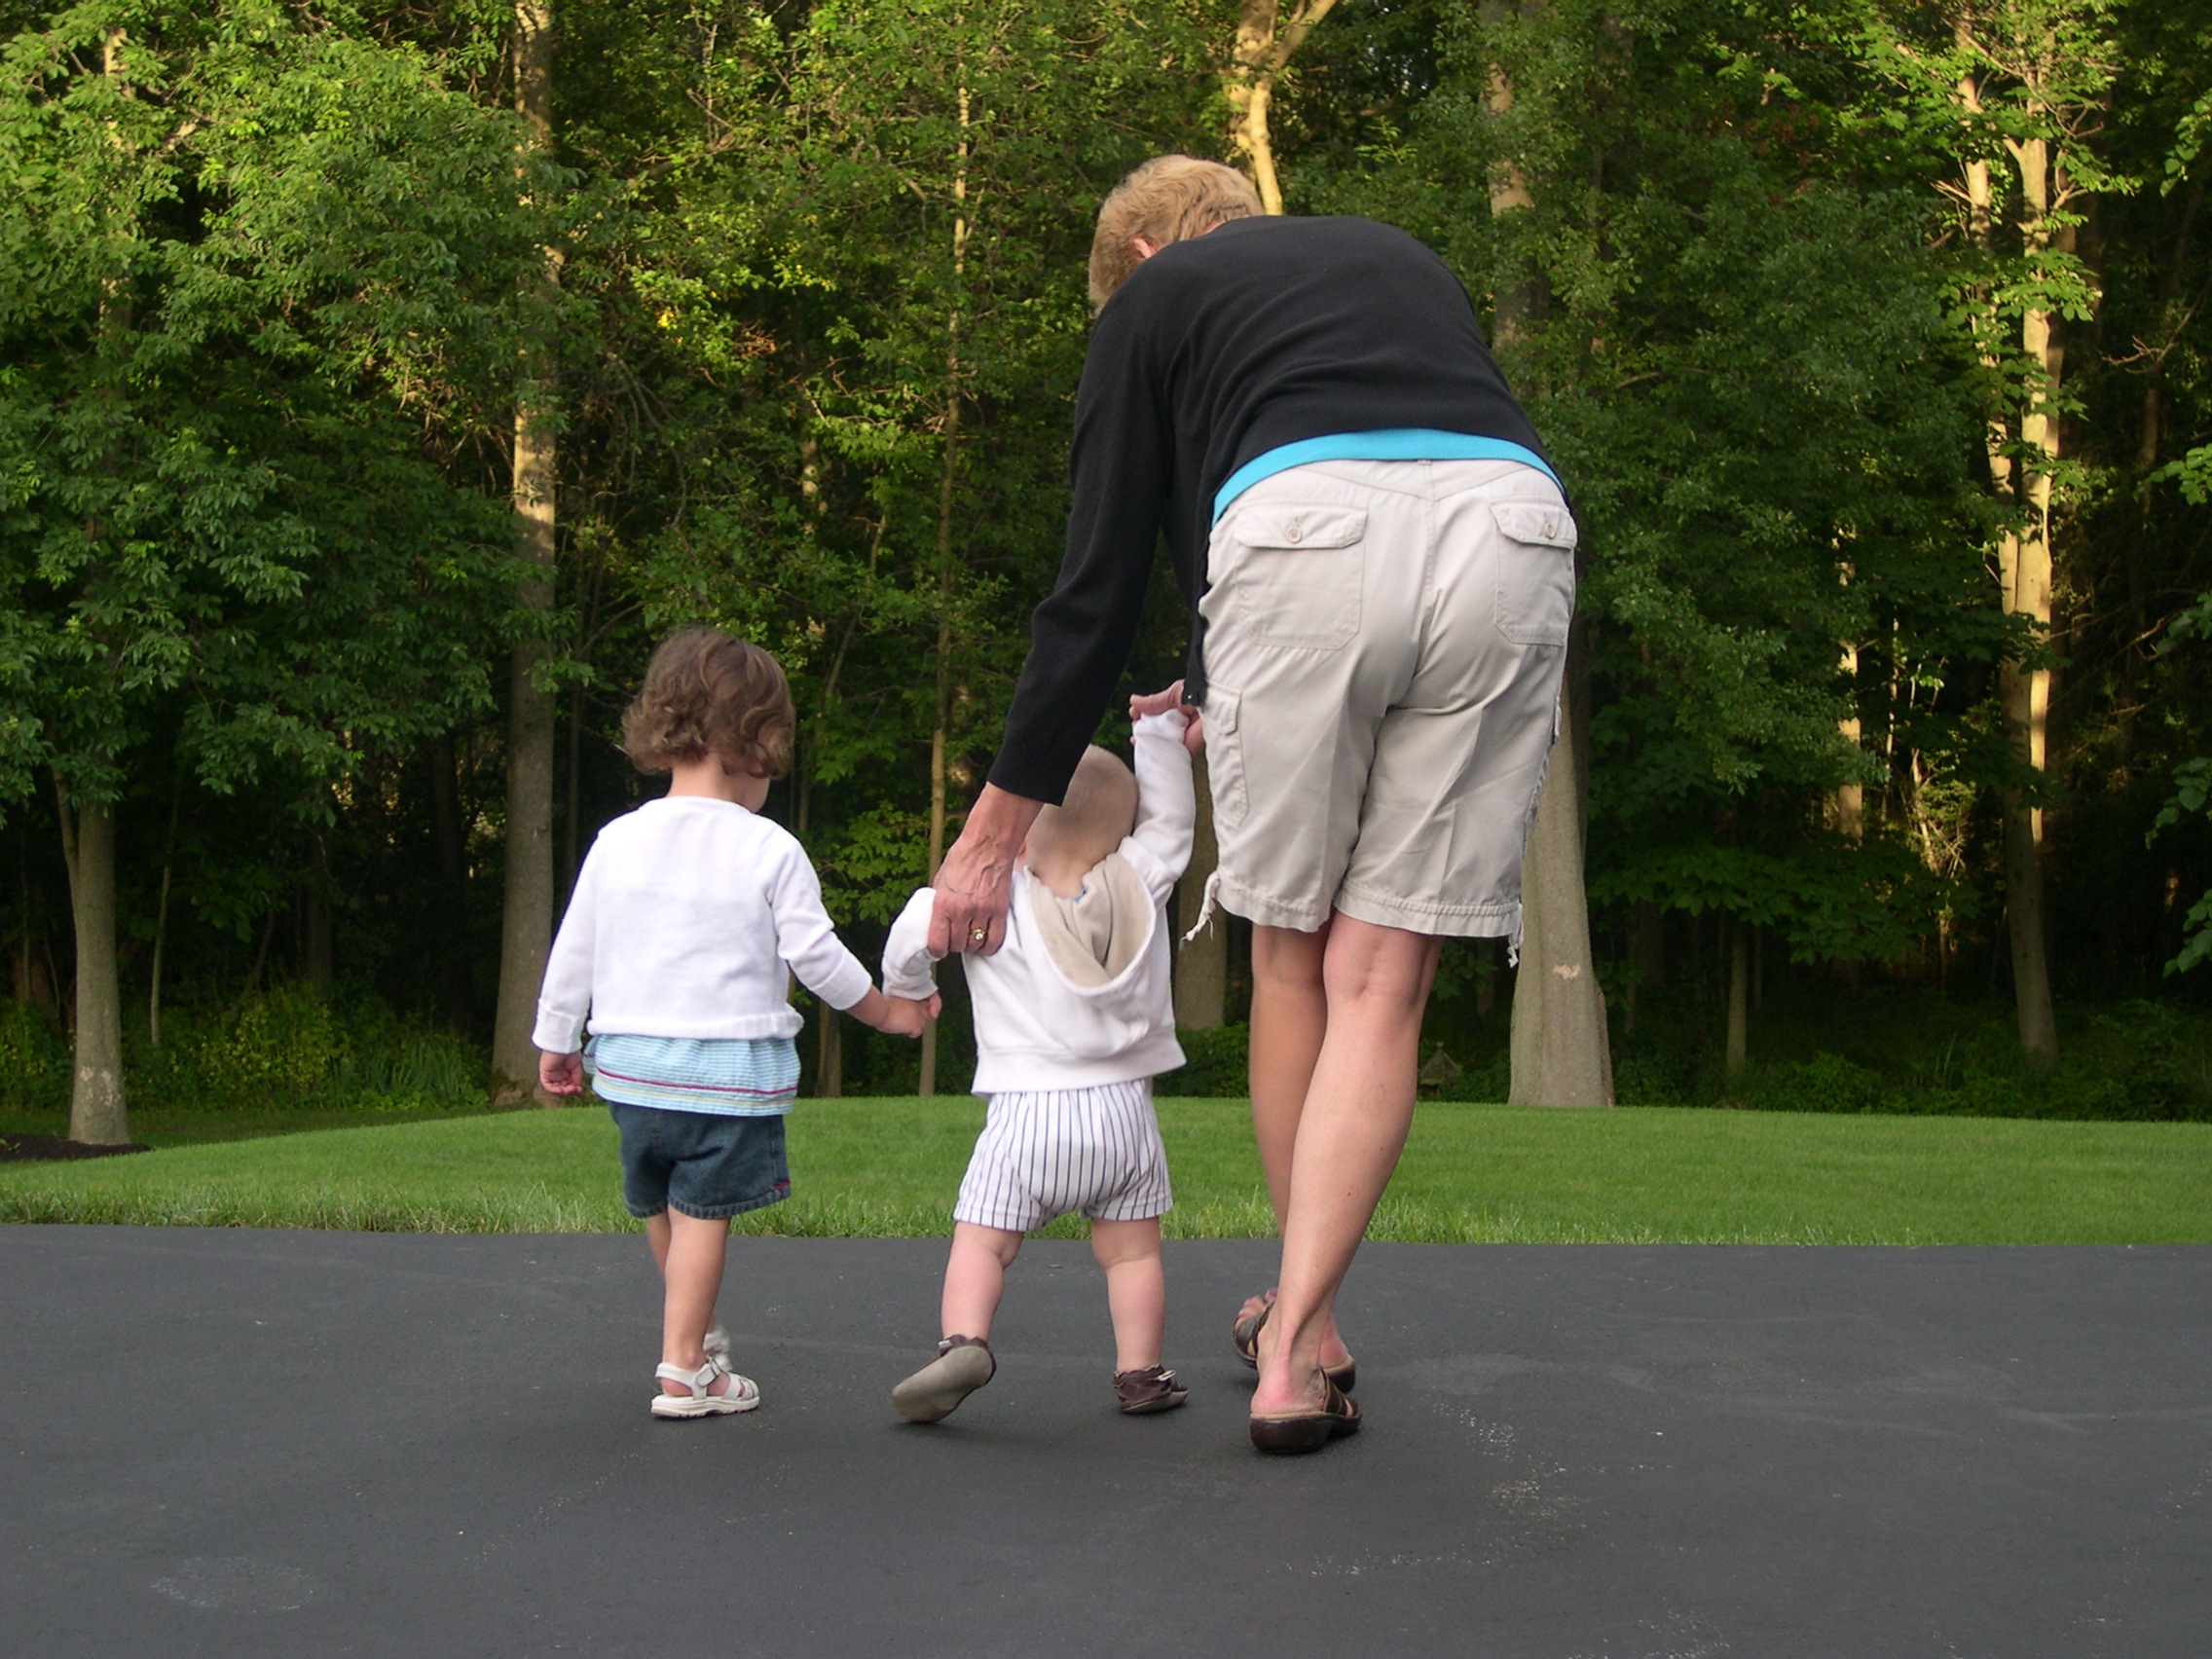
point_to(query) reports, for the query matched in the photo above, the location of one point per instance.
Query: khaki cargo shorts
(1384, 646)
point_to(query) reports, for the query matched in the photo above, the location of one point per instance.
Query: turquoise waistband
(1392, 443)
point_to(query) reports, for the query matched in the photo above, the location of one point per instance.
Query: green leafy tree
(1740, 355)
(253, 277)
(2019, 88)
(865, 255)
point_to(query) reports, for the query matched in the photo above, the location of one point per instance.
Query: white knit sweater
(685, 913)
(1035, 1030)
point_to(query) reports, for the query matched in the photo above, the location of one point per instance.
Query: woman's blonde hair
(706, 693)
(1170, 198)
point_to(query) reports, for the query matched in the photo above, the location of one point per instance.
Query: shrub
(286, 1042)
(291, 1048)
(1825, 1082)
(1653, 1078)
(417, 1065)
(1218, 1058)
(1483, 1085)
(34, 1060)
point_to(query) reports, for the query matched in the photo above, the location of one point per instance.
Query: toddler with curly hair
(686, 914)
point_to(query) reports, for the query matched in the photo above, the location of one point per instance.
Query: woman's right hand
(974, 884)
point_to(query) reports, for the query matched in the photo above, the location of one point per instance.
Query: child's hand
(902, 1017)
(896, 1016)
(561, 1074)
(1171, 697)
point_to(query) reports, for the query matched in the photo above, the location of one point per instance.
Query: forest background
(377, 383)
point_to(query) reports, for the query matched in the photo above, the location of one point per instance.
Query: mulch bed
(30, 1149)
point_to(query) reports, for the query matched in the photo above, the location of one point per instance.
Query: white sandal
(743, 1394)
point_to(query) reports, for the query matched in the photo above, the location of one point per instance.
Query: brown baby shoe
(1153, 1388)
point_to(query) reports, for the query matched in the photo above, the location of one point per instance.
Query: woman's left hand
(1171, 697)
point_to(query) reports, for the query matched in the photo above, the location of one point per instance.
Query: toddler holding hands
(1073, 1020)
(686, 915)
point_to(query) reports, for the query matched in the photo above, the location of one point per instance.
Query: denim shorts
(702, 1164)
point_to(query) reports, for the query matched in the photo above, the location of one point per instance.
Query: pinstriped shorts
(1056, 1150)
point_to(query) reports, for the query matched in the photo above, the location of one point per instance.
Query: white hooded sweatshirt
(1079, 992)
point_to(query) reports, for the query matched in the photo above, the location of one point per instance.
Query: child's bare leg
(657, 1232)
(974, 1278)
(1136, 1290)
(690, 1255)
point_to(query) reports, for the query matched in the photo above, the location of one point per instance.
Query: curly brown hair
(706, 693)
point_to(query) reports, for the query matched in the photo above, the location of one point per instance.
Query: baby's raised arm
(1166, 801)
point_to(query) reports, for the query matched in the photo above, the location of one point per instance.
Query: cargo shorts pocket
(1298, 574)
(1536, 571)
(1225, 757)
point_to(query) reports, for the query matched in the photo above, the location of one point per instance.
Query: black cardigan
(1217, 349)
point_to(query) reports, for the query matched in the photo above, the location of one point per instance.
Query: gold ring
(978, 935)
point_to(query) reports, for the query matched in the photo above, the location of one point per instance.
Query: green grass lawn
(1470, 1174)
(163, 1127)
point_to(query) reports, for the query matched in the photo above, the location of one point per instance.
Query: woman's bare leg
(1290, 1016)
(1350, 1130)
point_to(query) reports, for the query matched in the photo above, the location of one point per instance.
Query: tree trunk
(525, 927)
(1201, 967)
(829, 1053)
(161, 922)
(1739, 998)
(1849, 800)
(1562, 1054)
(2024, 568)
(1647, 944)
(938, 739)
(525, 924)
(573, 796)
(941, 729)
(1647, 960)
(1264, 46)
(97, 1112)
(2023, 561)
(1518, 298)
(453, 881)
(318, 967)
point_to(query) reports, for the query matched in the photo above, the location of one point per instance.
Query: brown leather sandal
(1244, 1337)
(1306, 1431)
(1244, 1330)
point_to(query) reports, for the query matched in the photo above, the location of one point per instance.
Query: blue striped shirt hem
(728, 1076)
